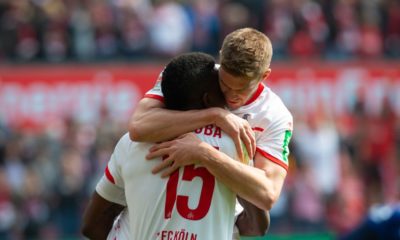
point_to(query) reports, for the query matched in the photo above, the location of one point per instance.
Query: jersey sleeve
(156, 92)
(111, 185)
(110, 191)
(274, 142)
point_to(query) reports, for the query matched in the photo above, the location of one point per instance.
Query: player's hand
(239, 130)
(182, 151)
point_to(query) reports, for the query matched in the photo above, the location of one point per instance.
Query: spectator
(170, 29)
(59, 30)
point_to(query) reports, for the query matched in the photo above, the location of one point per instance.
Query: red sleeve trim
(109, 176)
(273, 159)
(154, 96)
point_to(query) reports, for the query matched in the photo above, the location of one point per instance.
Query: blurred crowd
(87, 30)
(340, 166)
(48, 175)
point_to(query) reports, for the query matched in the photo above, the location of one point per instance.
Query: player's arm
(252, 221)
(151, 122)
(99, 217)
(261, 185)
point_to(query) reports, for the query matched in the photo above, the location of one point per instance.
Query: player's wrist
(207, 153)
(217, 115)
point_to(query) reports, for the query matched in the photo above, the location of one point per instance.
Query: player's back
(190, 204)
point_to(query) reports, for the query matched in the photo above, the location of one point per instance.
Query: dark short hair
(187, 78)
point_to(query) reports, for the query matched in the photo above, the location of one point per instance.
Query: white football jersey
(190, 204)
(269, 118)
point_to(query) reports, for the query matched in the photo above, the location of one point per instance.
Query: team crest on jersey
(246, 116)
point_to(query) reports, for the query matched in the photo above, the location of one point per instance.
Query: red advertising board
(39, 94)
(337, 86)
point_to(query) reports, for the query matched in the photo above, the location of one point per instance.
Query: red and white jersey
(269, 118)
(190, 204)
(120, 228)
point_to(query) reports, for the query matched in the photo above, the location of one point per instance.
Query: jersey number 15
(182, 201)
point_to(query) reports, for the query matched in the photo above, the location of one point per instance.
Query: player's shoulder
(125, 140)
(124, 144)
(268, 112)
(271, 107)
(276, 102)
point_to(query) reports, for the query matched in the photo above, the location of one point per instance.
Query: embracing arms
(151, 122)
(261, 185)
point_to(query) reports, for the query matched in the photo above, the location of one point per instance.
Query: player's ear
(206, 100)
(213, 100)
(266, 74)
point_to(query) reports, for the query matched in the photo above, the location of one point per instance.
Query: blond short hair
(246, 52)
